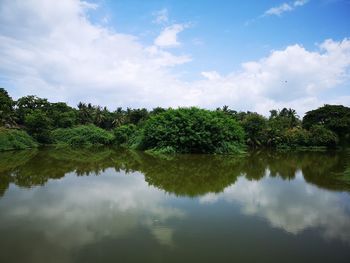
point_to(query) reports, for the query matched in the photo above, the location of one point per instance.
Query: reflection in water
(84, 206)
(189, 175)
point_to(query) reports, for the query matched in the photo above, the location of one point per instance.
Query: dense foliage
(192, 130)
(82, 135)
(6, 108)
(171, 130)
(333, 117)
(11, 139)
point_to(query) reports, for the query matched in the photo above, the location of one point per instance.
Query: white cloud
(293, 77)
(300, 2)
(211, 75)
(161, 16)
(168, 37)
(52, 50)
(284, 7)
(279, 9)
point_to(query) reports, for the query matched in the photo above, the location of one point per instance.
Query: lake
(106, 205)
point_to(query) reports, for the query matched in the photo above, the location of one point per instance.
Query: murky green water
(101, 205)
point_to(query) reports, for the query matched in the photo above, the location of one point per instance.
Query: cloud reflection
(293, 206)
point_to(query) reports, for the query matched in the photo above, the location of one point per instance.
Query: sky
(249, 55)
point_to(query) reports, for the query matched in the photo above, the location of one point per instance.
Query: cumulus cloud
(51, 49)
(293, 77)
(211, 75)
(168, 37)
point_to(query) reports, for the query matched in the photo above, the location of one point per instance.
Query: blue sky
(231, 32)
(250, 55)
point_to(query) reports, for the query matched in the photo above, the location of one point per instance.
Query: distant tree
(321, 136)
(7, 114)
(157, 110)
(85, 113)
(136, 116)
(62, 115)
(98, 116)
(226, 109)
(255, 126)
(119, 117)
(333, 117)
(28, 104)
(279, 121)
(38, 125)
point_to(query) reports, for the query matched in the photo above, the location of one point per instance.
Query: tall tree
(7, 114)
(334, 117)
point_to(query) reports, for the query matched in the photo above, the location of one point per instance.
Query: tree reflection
(185, 175)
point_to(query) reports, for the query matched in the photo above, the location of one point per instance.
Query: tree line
(195, 130)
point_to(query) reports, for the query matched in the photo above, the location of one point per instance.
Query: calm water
(101, 205)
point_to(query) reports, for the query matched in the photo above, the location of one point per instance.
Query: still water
(103, 205)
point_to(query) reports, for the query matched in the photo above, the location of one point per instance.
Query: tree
(38, 125)
(27, 104)
(333, 117)
(136, 116)
(62, 115)
(321, 136)
(119, 117)
(254, 126)
(7, 114)
(157, 110)
(85, 113)
(284, 119)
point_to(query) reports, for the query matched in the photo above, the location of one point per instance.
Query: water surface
(103, 205)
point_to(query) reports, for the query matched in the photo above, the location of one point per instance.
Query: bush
(192, 130)
(82, 135)
(123, 134)
(321, 136)
(296, 137)
(15, 140)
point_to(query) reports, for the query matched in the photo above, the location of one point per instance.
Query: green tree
(136, 116)
(28, 104)
(321, 136)
(85, 113)
(62, 115)
(119, 117)
(38, 125)
(333, 117)
(7, 114)
(255, 126)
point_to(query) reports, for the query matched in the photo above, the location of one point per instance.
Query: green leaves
(192, 130)
(82, 135)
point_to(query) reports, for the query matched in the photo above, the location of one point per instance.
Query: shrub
(192, 130)
(15, 140)
(123, 134)
(82, 135)
(297, 137)
(321, 136)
